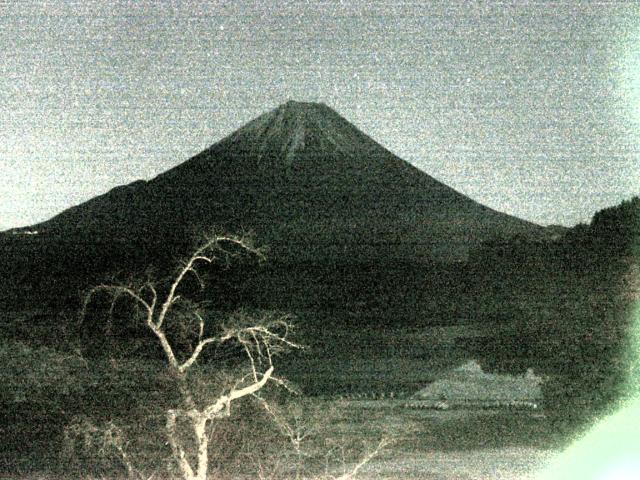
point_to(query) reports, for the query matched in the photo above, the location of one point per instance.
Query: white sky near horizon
(532, 108)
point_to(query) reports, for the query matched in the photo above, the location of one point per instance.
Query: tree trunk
(197, 421)
(199, 427)
(179, 454)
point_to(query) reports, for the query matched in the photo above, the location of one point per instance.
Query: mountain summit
(310, 185)
(295, 131)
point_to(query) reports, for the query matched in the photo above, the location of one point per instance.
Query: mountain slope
(310, 185)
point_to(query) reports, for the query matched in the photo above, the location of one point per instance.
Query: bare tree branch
(154, 293)
(366, 459)
(253, 363)
(259, 339)
(196, 352)
(223, 401)
(116, 291)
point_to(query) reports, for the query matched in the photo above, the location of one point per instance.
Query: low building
(469, 386)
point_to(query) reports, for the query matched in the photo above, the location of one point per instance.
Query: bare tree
(305, 428)
(260, 339)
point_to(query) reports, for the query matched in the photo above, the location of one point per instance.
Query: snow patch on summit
(296, 142)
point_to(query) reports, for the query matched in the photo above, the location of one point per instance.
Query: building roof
(470, 382)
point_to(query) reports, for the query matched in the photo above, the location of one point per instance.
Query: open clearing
(452, 445)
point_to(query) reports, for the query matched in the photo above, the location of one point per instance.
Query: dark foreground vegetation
(78, 391)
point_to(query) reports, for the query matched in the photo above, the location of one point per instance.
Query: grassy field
(422, 444)
(374, 340)
(456, 444)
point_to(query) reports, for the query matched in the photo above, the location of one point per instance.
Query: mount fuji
(310, 185)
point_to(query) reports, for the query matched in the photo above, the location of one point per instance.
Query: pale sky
(532, 108)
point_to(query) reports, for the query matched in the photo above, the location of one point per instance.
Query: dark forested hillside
(573, 313)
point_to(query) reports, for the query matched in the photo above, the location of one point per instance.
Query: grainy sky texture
(532, 108)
